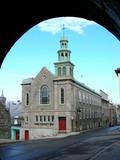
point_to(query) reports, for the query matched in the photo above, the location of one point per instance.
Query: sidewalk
(62, 135)
(6, 141)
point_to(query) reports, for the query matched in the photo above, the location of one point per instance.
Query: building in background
(5, 121)
(15, 109)
(112, 114)
(118, 114)
(104, 108)
(117, 71)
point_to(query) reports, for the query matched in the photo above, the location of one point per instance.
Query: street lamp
(72, 118)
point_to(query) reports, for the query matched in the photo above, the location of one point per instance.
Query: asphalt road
(99, 144)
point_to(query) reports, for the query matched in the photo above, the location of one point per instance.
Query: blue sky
(95, 53)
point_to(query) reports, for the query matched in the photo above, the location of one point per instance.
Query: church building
(56, 103)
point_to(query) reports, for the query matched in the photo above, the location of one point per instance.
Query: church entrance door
(62, 124)
(26, 135)
(17, 134)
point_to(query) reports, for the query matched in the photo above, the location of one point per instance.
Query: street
(98, 144)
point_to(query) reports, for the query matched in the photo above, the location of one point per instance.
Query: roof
(82, 85)
(46, 70)
(27, 81)
(63, 38)
(3, 107)
(86, 87)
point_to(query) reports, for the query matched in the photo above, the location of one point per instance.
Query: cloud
(55, 25)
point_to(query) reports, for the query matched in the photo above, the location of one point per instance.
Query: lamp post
(72, 118)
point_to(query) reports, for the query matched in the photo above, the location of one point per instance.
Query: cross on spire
(63, 28)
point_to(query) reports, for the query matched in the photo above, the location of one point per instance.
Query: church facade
(54, 104)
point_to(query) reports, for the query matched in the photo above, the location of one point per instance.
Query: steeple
(64, 52)
(2, 95)
(2, 98)
(64, 67)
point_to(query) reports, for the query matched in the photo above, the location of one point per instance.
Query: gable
(43, 77)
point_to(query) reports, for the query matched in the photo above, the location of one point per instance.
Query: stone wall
(5, 122)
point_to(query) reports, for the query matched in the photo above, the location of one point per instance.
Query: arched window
(59, 71)
(71, 72)
(64, 71)
(62, 46)
(36, 118)
(62, 54)
(62, 95)
(44, 95)
(27, 99)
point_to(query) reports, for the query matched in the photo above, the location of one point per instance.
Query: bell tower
(64, 52)
(64, 67)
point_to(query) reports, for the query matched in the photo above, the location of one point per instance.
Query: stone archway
(21, 17)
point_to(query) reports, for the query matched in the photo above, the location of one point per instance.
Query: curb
(4, 141)
(10, 142)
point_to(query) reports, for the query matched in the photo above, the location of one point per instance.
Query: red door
(26, 135)
(62, 124)
(17, 134)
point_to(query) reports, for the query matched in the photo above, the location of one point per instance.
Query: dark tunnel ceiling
(18, 18)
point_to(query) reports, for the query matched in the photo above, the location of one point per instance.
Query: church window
(62, 44)
(48, 118)
(36, 118)
(62, 95)
(27, 118)
(40, 118)
(59, 57)
(59, 71)
(52, 118)
(71, 72)
(64, 71)
(62, 54)
(27, 99)
(66, 54)
(44, 95)
(44, 118)
(79, 96)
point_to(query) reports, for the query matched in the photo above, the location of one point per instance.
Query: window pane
(40, 118)
(64, 71)
(59, 71)
(52, 118)
(48, 118)
(27, 98)
(44, 95)
(62, 95)
(36, 118)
